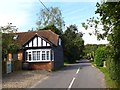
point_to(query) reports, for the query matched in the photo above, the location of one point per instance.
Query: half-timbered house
(40, 50)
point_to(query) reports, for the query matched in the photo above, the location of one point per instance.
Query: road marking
(78, 70)
(71, 83)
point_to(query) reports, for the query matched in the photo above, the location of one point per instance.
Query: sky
(24, 13)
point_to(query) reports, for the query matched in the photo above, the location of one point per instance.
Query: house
(39, 50)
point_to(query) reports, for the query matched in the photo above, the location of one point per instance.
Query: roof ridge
(53, 32)
(35, 31)
(47, 34)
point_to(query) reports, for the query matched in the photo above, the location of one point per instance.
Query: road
(79, 75)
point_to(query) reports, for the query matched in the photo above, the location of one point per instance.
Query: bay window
(38, 55)
(47, 53)
(34, 53)
(43, 55)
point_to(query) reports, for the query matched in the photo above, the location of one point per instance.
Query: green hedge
(100, 56)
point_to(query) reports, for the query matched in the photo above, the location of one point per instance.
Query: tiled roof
(23, 37)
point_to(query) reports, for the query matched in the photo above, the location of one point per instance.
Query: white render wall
(37, 42)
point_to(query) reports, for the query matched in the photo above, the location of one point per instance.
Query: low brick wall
(42, 66)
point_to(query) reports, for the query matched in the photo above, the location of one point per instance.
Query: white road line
(73, 79)
(71, 83)
(78, 70)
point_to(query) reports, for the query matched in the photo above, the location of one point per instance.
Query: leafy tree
(89, 51)
(109, 19)
(50, 16)
(73, 44)
(8, 28)
(8, 43)
(53, 28)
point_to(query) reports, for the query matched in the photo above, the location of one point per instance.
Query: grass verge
(109, 82)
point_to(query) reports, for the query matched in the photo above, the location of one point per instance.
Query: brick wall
(20, 55)
(10, 57)
(42, 66)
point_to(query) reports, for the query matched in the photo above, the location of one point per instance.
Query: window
(34, 55)
(43, 55)
(59, 41)
(38, 55)
(47, 53)
(26, 56)
(29, 56)
(52, 55)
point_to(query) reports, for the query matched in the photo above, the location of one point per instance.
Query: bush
(100, 56)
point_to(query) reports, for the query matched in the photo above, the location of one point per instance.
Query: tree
(89, 51)
(8, 43)
(50, 16)
(53, 28)
(109, 19)
(8, 28)
(73, 44)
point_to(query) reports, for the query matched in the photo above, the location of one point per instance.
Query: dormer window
(15, 37)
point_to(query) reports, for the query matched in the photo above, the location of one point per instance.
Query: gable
(24, 37)
(37, 41)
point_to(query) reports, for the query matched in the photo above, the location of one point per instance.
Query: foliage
(100, 56)
(109, 82)
(53, 28)
(90, 51)
(73, 44)
(109, 19)
(8, 28)
(50, 16)
(8, 43)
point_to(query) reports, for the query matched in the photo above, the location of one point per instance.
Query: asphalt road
(80, 75)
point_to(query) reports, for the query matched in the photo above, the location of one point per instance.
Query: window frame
(38, 53)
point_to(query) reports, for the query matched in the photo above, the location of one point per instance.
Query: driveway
(79, 75)
(23, 79)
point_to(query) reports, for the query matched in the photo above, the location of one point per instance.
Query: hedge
(100, 56)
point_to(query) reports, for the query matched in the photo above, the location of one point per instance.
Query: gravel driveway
(23, 79)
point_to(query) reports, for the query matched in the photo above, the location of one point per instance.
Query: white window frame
(40, 50)
(60, 41)
(43, 55)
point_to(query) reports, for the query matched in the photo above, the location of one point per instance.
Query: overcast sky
(23, 14)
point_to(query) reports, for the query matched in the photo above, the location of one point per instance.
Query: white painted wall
(48, 44)
(26, 45)
(44, 43)
(34, 42)
(30, 44)
(39, 41)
